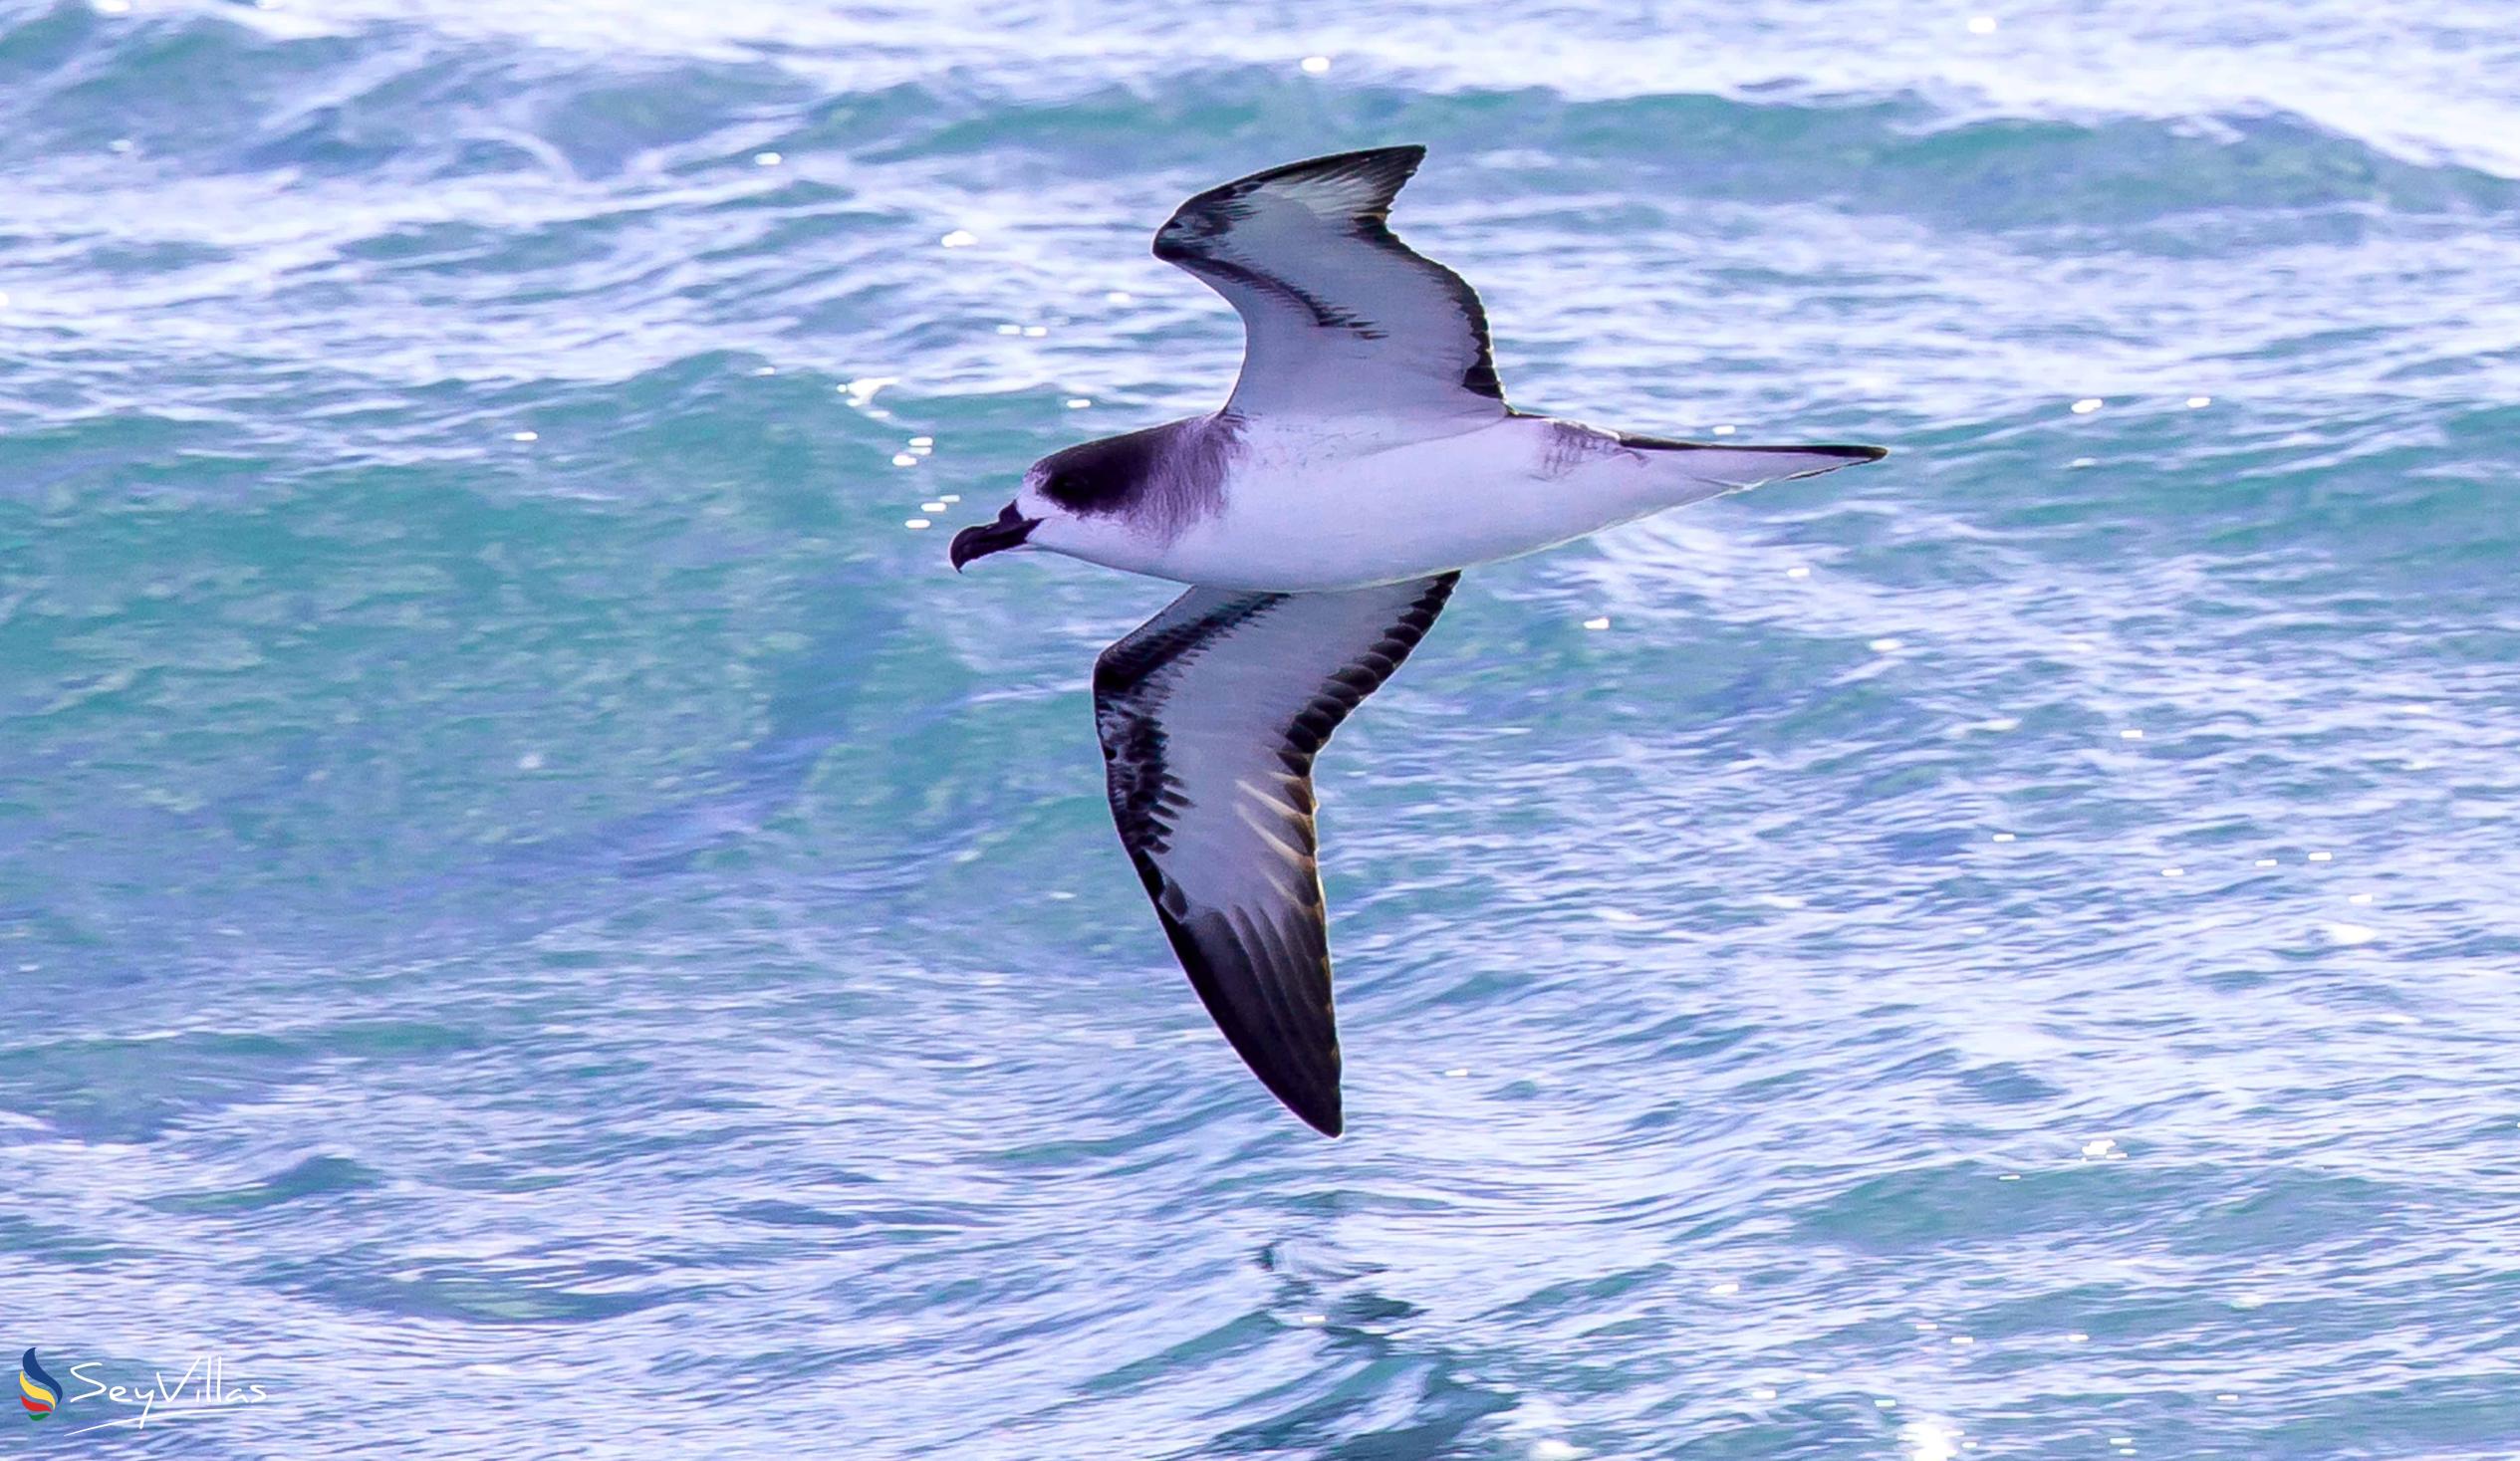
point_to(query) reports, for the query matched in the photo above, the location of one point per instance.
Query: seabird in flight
(1321, 519)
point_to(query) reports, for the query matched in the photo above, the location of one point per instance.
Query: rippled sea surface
(538, 918)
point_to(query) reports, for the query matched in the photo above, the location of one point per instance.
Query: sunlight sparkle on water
(1927, 1441)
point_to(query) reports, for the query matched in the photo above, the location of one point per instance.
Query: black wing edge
(1293, 1049)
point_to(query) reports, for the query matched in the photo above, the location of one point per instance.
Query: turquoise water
(537, 917)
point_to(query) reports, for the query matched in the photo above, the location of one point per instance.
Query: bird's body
(1322, 518)
(1314, 504)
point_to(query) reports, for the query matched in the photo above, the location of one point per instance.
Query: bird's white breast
(1312, 506)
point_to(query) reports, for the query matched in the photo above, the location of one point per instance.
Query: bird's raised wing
(1339, 317)
(1210, 714)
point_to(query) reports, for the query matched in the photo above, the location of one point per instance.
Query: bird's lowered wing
(1210, 714)
(1339, 316)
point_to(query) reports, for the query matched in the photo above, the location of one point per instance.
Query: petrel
(1321, 518)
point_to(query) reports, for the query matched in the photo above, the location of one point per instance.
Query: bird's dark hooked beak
(1009, 531)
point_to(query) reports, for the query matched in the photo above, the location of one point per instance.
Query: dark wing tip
(1393, 165)
(1388, 168)
(1271, 1002)
(1318, 1105)
(1309, 1093)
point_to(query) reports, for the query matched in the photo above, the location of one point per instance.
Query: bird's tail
(1705, 469)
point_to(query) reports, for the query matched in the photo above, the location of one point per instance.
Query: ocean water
(539, 918)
